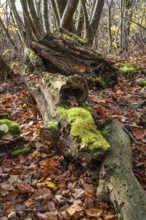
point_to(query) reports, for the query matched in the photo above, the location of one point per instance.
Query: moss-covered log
(76, 134)
(117, 181)
(70, 55)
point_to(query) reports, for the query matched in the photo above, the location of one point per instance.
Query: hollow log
(54, 90)
(117, 181)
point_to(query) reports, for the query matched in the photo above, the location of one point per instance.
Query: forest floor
(42, 185)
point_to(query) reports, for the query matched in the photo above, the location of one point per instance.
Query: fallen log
(69, 56)
(67, 128)
(117, 181)
(54, 90)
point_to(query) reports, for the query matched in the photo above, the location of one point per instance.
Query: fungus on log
(117, 181)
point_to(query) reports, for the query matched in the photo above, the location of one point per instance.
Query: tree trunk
(117, 181)
(5, 70)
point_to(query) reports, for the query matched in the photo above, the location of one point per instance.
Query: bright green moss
(10, 127)
(142, 83)
(105, 131)
(22, 151)
(84, 129)
(98, 54)
(53, 125)
(36, 60)
(74, 37)
(127, 69)
(80, 40)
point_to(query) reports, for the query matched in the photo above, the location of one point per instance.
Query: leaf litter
(39, 185)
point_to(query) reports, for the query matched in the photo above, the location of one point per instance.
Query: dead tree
(67, 85)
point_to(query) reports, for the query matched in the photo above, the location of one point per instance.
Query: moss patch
(53, 126)
(34, 59)
(22, 151)
(127, 69)
(9, 127)
(142, 83)
(83, 129)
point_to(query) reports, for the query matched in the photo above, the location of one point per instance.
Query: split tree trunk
(117, 181)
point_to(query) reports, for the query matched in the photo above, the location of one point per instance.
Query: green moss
(87, 107)
(74, 37)
(10, 127)
(98, 54)
(105, 131)
(142, 83)
(84, 129)
(35, 60)
(80, 40)
(102, 83)
(67, 37)
(126, 64)
(127, 69)
(53, 125)
(22, 151)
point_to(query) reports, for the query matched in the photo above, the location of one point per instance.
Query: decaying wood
(52, 91)
(117, 181)
(70, 57)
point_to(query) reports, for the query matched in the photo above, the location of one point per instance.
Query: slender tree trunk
(46, 16)
(94, 22)
(55, 13)
(18, 21)
(8, 35)
(67, 17)
(60, 4)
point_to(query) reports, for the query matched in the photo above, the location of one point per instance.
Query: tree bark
(117, 181)
(69, 57)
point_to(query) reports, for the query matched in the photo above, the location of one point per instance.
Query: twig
(135, 23)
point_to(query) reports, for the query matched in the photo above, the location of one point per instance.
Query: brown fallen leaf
(71, 210)
(24, 187)
(94, 212)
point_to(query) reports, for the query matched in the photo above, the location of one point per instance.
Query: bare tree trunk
(61, 4)
(94, 22)
(34, 16)
(67, 17)
(18, 20)
(109, 23)
(35, 32)
(46, 16)
(8, 35)
(55, 12)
